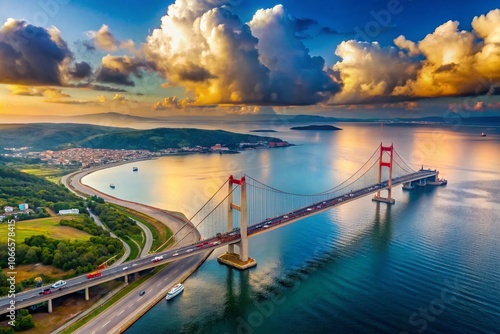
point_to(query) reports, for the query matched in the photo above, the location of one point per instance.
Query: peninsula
(316, 128)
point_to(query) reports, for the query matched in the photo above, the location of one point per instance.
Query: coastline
(168, 276)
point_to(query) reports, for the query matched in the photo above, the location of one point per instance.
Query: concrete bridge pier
(422, 182)
(239, 261)
(50, 305)
(126, 279)
(87, 295)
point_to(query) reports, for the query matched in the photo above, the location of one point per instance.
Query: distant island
(316, 128)
(263, 130)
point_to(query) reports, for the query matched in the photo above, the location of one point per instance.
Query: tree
(24, 320)
(31, 256)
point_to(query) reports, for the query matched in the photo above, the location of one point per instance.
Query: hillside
(17, 187)
(59, 136)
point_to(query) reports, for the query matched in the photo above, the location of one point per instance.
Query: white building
(8, 209)
(23, 206)
(69, 212)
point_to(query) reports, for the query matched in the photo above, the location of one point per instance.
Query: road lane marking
(105, 324)
(130, 305)
(158, 284)
(121, 312)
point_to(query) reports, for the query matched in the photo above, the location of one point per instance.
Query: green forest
(17, 187)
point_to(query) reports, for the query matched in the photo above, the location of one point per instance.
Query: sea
(427, 264)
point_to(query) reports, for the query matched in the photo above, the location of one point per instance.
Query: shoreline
(170, 219)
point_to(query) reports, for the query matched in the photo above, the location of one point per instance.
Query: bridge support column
(239, 261)
(87, 295)
(126, 279)
(381, 164)
(50, 305)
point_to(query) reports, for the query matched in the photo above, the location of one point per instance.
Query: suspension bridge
(245, 207)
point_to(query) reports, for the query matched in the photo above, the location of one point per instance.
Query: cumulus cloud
(447, 62)
(369, 71)
(51, 94)
(32, 55)
(203, 46)
(119, 69)
(173, 102)
(24, 90)
(295, 76)
(103, 39)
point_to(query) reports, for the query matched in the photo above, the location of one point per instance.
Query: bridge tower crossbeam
(240, 261)
(383, 163)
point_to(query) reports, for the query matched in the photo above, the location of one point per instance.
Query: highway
(113, 320)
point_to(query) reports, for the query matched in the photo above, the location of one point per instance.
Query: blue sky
(319, 55)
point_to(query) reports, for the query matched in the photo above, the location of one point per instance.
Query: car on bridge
(58, 284)
(46, 291)
(157, 258)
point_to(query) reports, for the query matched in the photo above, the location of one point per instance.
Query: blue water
(428, 264)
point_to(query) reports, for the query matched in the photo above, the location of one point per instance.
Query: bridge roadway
(79, 283)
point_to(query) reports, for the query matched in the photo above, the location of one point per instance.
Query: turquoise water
(428, 264)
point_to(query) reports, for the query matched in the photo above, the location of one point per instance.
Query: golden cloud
(447, 62)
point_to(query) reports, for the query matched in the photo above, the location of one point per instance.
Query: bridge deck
(33, 297)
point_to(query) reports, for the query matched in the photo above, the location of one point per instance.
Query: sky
(371, 58)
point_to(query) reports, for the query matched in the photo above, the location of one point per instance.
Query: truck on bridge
(94, 274)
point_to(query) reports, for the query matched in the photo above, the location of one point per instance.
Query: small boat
(112, 186)
(178, 288)
(483, 134)
(135, 169)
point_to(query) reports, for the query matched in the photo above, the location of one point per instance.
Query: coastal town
(92, 157)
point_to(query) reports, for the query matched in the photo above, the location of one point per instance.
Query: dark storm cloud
(195, 73)
(31, 55)
(113, 76)
(119, 69)
(81, 70)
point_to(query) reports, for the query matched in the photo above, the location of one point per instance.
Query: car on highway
(46, 291)
(157, 258)
(142, 293)
(216, 243)
(175, 254)
(189, 250)
(58, 284)
(124, 268)
(309, 209)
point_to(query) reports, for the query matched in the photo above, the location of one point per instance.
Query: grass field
(51, 174)
(42, 171)
(43, 226)
(26, 271)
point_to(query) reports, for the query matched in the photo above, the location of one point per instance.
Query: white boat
(178, 288)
